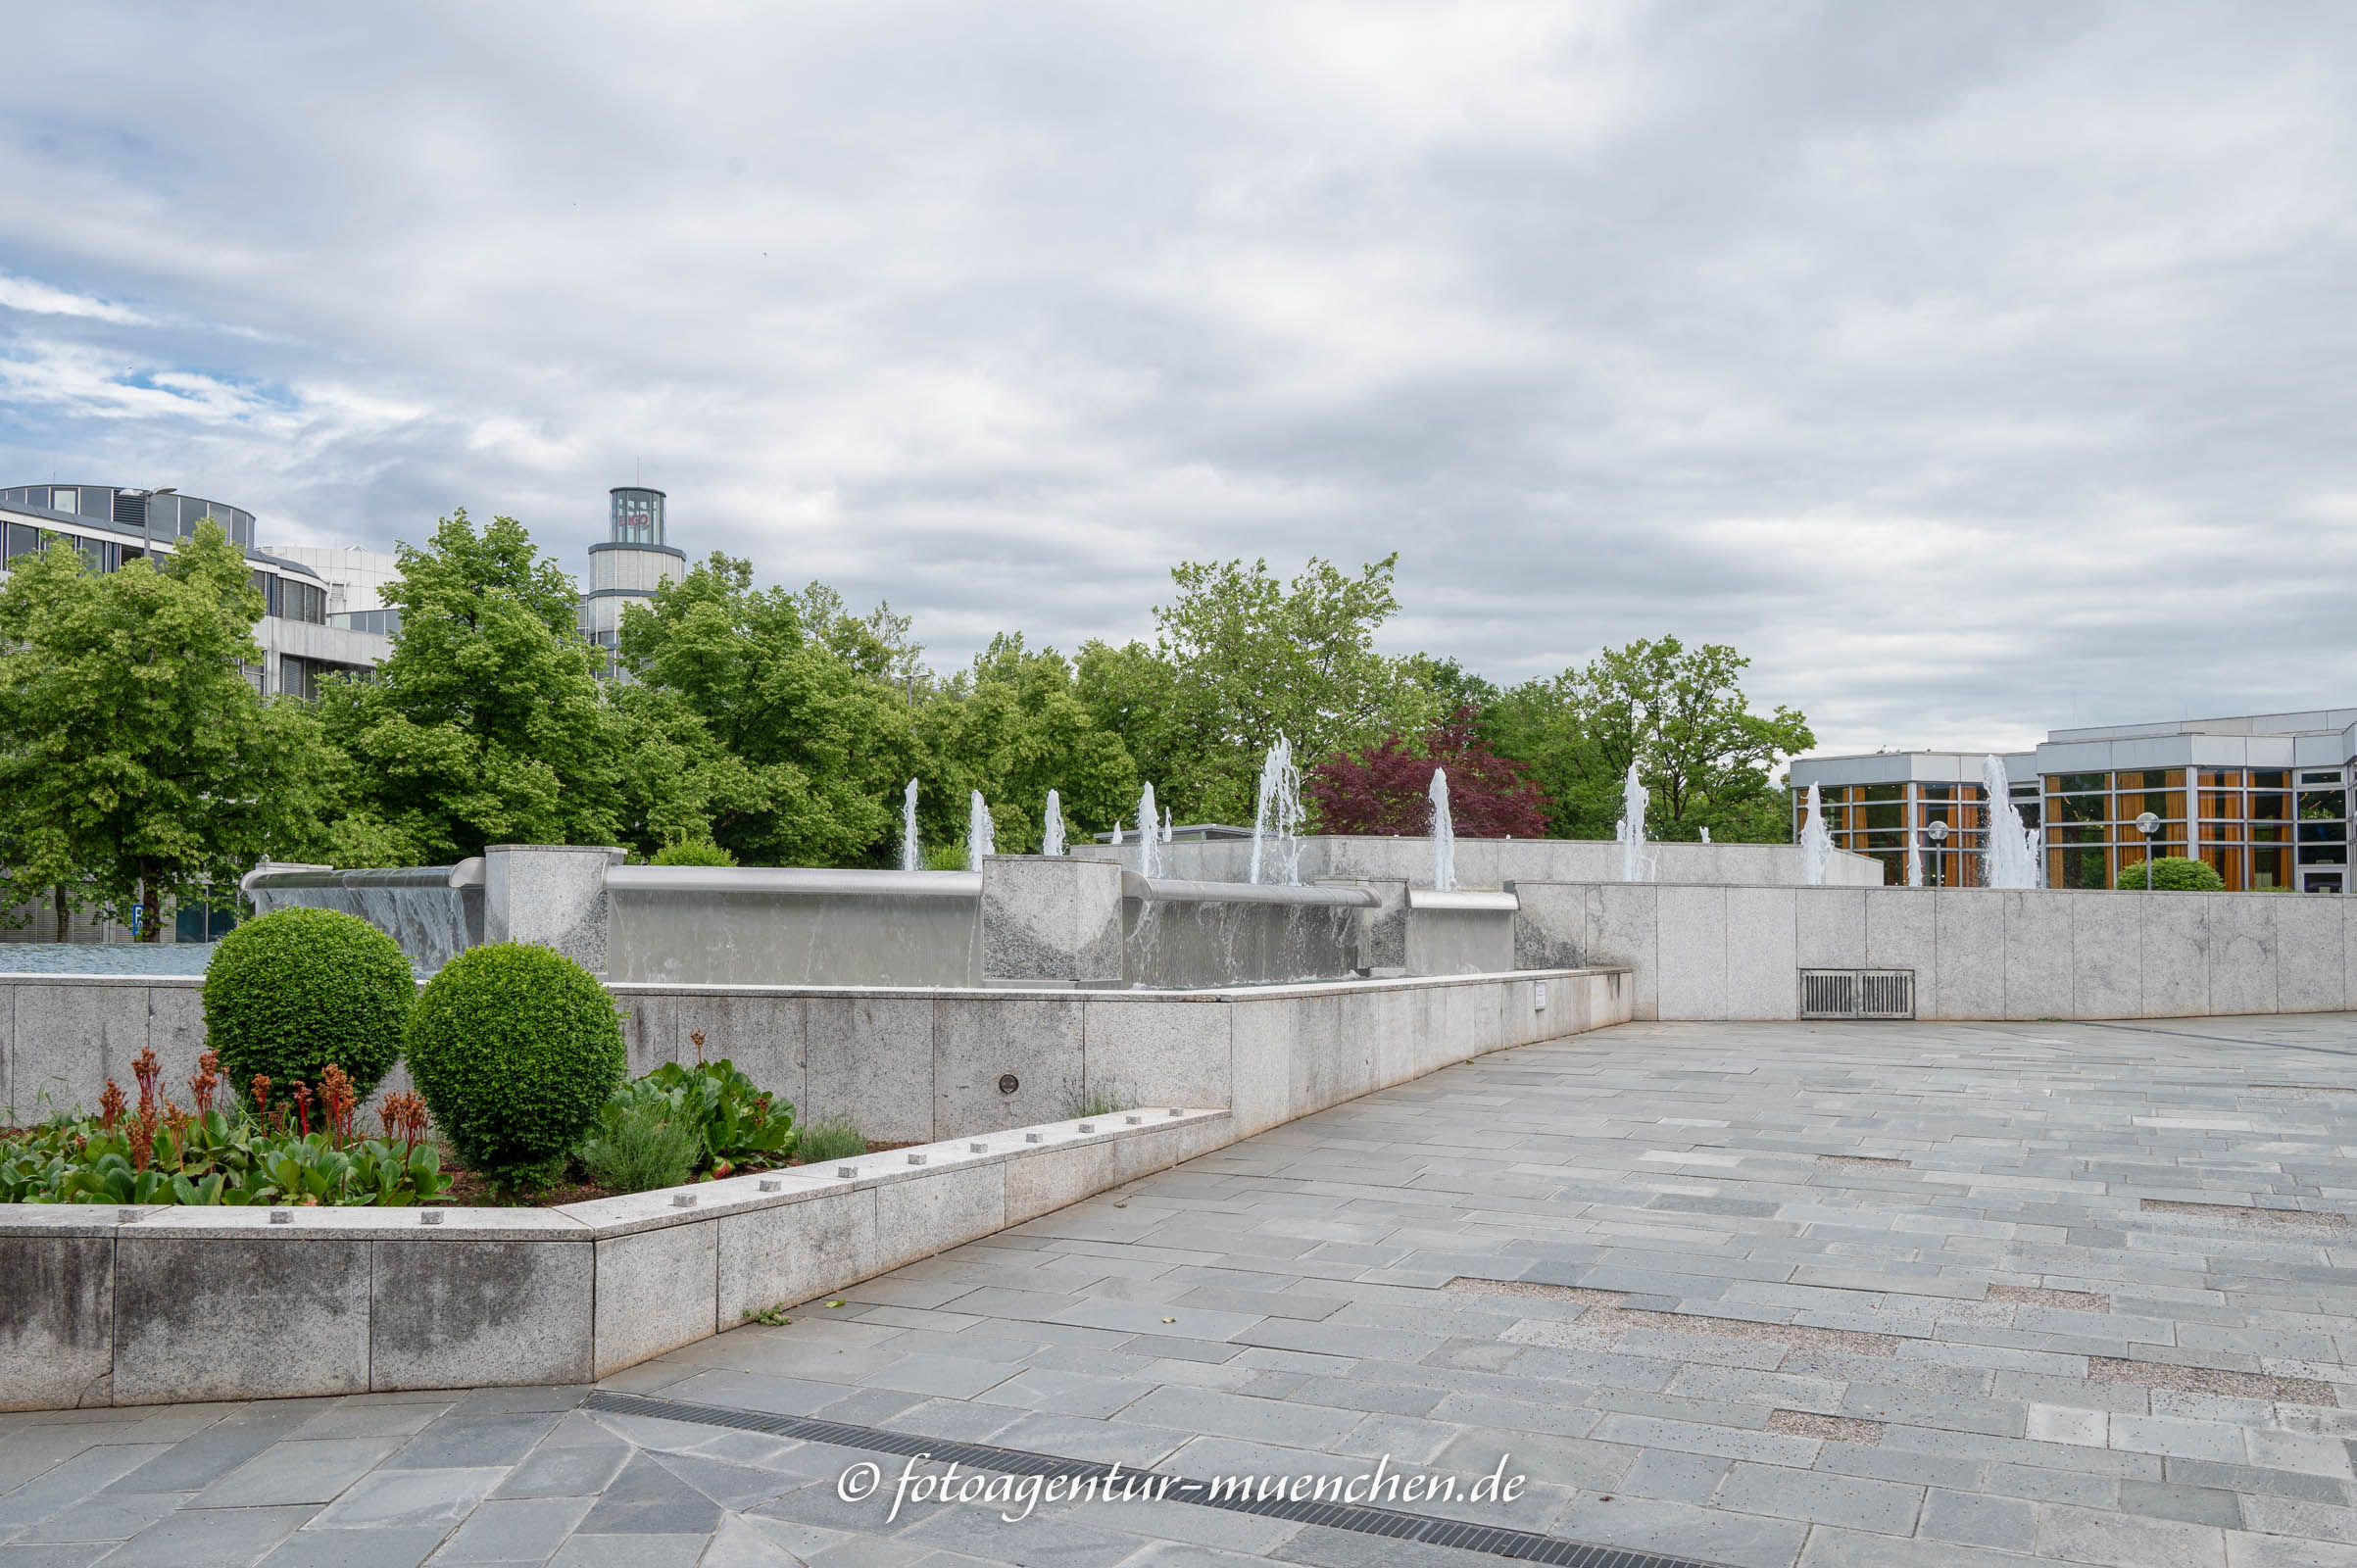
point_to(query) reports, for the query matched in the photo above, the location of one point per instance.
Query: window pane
(2317, 805)
(2085, 869)
(2073, 783)
(2321, 778)
(2324, 854)
(2083, 808)
(2271, 807)
(2269, 868)
(2267, 780)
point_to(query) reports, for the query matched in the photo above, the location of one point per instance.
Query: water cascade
(2011, 859)
(1635, 866)
(1277, 820)
(1149, 845)
(1052, 827)
(1444, 834)
(1914, 856)
(1816, 844)
(910, 860)
(978, 832)
(1168, 829)
(1707, 835)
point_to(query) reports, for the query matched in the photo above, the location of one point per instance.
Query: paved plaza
(1751, 1295)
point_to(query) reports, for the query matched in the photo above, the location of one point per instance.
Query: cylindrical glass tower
(632, 562)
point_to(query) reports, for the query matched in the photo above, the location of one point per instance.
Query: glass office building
(113, 526)
(1932, 801)
(2263, 799)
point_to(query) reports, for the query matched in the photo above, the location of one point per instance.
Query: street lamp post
(2149, 825)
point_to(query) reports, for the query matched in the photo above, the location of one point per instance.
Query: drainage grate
(1857, 993)
(1523, 1546)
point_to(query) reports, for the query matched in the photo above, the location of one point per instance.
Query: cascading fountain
(1444, 834)
(1914, 856)
(1705, 835)
(1168, 830)
(1635, 866)
(911, 858)
(1149, 836)
(1277, 820)
(1052, 825)
(979, 833)
(2011, 857)
(1816, 843)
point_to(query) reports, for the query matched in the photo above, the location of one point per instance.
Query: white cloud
(36, 298)
(1973, 372)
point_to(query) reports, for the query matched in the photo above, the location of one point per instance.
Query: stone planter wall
(105, 1306)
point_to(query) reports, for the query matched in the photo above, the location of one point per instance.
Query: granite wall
(133, 1305)
(1699, 953)
(1494, 862)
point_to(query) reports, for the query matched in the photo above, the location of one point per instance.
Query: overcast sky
(1975, 368)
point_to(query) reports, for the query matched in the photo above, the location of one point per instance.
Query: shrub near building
(515, 1049)
(2173, 874)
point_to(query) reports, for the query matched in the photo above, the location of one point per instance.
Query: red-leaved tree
(1383, 790)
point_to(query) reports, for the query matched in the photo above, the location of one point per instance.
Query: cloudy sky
(1976, 369)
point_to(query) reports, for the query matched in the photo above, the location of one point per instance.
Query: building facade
(2264, 799)
(111, 524)
(634, 560)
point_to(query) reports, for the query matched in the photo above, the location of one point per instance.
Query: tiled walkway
(1843, 1295)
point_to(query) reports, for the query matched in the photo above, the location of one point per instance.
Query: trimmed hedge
(515, 1049)
(298, 989)
(694, 852)
(2174, 873)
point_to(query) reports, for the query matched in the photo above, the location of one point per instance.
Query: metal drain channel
(1523, 1546)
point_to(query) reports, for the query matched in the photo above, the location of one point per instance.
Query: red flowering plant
(222, 1152)
(1382, 791)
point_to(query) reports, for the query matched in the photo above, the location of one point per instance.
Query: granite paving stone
(1690, 1291)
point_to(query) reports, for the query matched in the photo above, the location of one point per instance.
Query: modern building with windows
(111, 524)
(634, 560)
(2265, 799)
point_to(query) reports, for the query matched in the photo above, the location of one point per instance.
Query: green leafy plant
(643, 1142)
(945, 857)
(2171, 873)
(737, 1124)
(516, 1049)
(774, 1316)
(692, 852)
(1081, 1106)
(831, 1136)
(296, 989)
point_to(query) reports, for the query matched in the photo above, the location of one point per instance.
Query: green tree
(1014, 728)
(1706, 758)
(1454, 689)
(487, 723)
(1246, 659)
(137, 761)
(788, 747)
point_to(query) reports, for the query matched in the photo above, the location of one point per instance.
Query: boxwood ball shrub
(515, 1049)
(2174, 873)
(298, 989)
